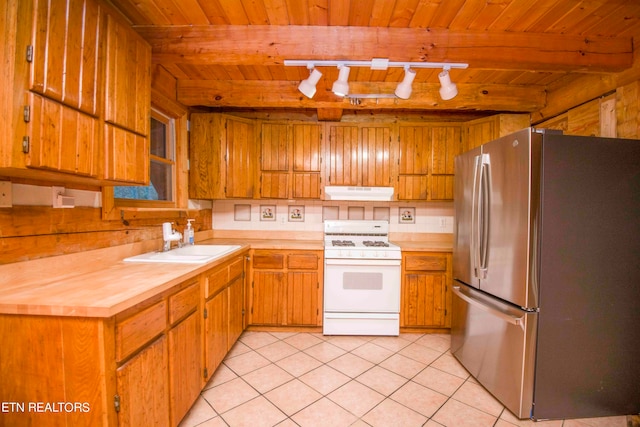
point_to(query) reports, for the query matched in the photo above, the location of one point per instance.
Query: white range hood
(344, 192)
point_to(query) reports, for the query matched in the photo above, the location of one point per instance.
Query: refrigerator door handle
(480, 216)
(484, 212)
(514, 320)
(476, 216)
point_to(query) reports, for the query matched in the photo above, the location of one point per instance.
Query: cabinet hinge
(25, 144)
(243, 311)
(26, 114)
(206, 373)
(205, 313)
(30, 53)
(116, 402)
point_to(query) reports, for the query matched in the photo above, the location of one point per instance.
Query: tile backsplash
(296, 215)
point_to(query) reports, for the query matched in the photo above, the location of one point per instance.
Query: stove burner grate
(377, 243)
(342, 243)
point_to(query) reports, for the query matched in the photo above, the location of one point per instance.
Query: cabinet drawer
(183, 303)
(303, 261)
(268, 261)
(425, 262)
(236, 268)
(217, 280)
(137, 330)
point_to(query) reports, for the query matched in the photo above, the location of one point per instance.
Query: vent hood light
(339, 192)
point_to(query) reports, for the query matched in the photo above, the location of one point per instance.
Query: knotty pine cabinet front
(425, 299)
(426, 161)
(290, 160)
(223, 157)
(57, 106)
(223, 311)
(359, 155)
(286, 288)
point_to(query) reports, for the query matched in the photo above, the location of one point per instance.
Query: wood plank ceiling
(229, 54)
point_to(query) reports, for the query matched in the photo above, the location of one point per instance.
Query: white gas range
(361, 279)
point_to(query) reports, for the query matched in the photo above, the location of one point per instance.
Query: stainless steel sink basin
(196, 254)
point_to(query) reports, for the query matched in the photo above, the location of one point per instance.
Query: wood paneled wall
(31, 232)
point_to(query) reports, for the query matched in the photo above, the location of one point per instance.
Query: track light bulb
(341, 86)
(308, 86)
(448, 90)
(403, 90)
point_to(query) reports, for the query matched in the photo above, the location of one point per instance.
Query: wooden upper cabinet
(274, 160)
(376, 155)
(414, 159)
(359, 155)
(241, 158)
(477, 132)
(426, 161)
(290, 160)
(127, 77)
(447, 142)
(223, 157)
(65, 52)
(343, 155)
(307, 159)
(206, 156)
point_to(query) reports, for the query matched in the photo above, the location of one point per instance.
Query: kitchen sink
(196, 254)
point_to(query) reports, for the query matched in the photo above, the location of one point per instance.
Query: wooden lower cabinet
(425, 300)
(223, 312)
(286, 288)
(144, 366)
(142, 387)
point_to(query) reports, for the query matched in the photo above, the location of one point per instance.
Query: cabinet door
(274, 161)
(446, 145)
(62, 139)
(240, 152)
(206, 156)
(126, 156)
(216, 331)
(302, 298)
(143, 389)
(65, 52)
(413, 162)
(185, 372)
(185, 351)
(127, 78)
(423, 300)
(376, 156)
(268, 297)
(236, 310)
(344, 152)
(307, 143)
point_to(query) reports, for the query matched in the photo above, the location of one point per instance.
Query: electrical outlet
(443, 223)
(5, 194)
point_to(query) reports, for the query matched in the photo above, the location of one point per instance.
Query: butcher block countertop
(99, 284)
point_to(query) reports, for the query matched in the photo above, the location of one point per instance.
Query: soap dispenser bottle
(189, 233)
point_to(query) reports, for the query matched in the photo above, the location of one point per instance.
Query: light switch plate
(5, 194)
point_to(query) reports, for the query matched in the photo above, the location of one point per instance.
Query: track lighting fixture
(448, 90)
(308, 86)
(341, 86)
(403, 91)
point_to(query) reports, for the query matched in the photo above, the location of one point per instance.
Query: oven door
(362, 285)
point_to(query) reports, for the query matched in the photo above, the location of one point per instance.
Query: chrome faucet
(169, 234)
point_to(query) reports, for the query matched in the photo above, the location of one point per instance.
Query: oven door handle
(359, 261)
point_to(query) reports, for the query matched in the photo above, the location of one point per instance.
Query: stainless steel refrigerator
(546, 262)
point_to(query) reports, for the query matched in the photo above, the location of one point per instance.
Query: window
(162, 165)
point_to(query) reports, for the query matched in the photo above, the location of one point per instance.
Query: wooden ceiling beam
(271, 45)
(425, 96)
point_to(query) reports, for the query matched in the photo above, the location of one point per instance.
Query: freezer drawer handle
(518, 321)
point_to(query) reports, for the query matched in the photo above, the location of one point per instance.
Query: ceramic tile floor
(306, 379)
